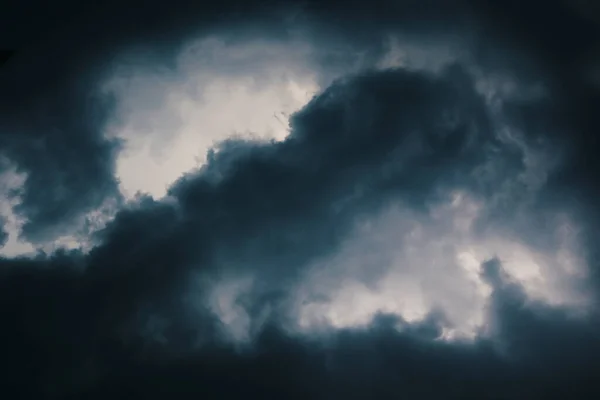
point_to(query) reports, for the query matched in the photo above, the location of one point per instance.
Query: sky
(303, 200)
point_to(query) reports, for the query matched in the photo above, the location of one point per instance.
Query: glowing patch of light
(432, 264)
(170, 119)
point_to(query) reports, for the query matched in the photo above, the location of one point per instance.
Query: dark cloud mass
(427, 229)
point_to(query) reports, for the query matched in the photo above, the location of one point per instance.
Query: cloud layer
(279, 201)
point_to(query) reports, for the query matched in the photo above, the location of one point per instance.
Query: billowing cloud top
(312, 200)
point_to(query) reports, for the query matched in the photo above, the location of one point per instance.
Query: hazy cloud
(317, 200)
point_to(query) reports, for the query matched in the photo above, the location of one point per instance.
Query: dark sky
(311, 200)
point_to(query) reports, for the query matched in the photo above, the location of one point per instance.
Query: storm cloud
(312, 200)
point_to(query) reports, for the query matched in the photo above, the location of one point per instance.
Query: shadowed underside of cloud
(426, 229)
(536, 351)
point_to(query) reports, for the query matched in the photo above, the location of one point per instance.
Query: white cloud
(170, 118)
(433, 263)
(11, 180)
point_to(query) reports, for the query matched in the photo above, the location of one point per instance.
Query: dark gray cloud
(134, 317)
(542, 353)
(67, 163)
(546, 361)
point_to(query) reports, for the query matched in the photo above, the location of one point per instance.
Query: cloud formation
(424, 227)
(3, 233)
